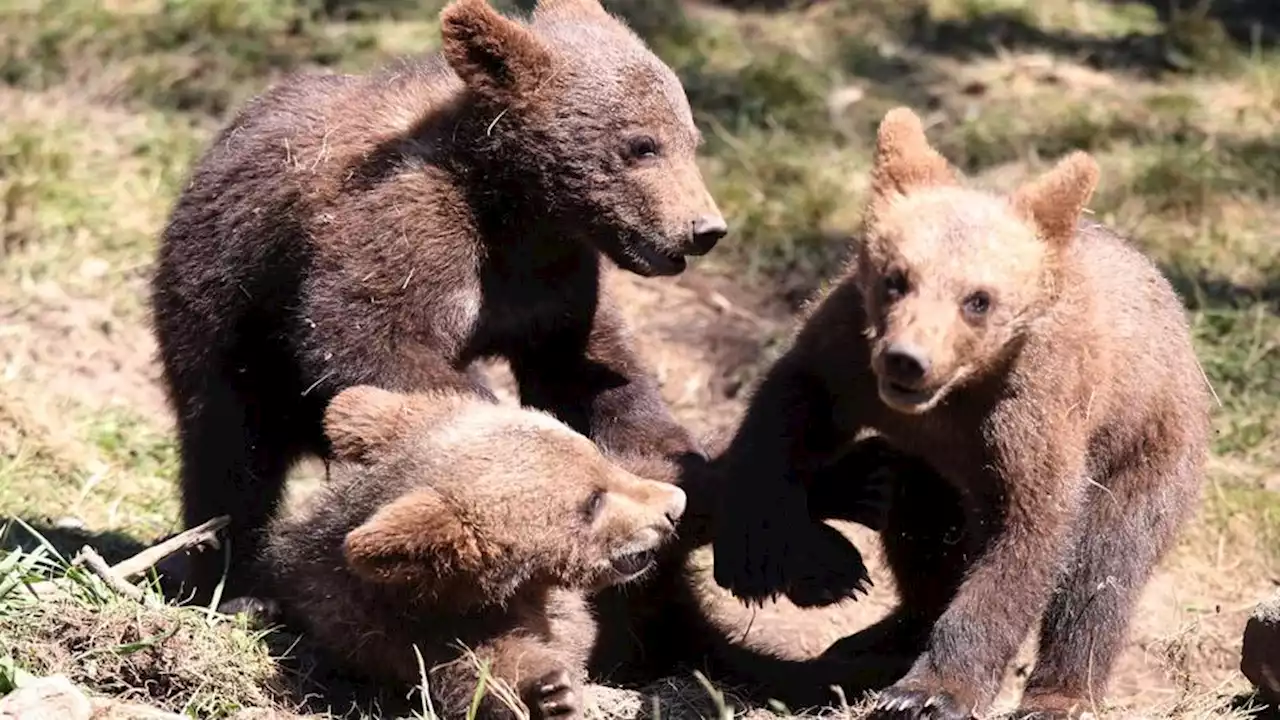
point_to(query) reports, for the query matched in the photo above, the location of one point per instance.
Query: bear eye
(896, 285)
(592, 507)
(977, 304)
(642, 147)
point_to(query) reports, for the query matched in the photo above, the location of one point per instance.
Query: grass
(59, 618)
(177, 659)
(107, 102)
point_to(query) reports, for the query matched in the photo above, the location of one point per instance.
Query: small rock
(1260, 656)
(69, 523)
(49, 698)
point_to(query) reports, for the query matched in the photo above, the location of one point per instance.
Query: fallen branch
(203, 534)
(117, 576)
(92, 560)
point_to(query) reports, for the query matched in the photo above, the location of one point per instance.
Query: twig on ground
(117, 576)
(203, 534)
(92, 560)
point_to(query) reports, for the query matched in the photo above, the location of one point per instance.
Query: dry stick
(115, 576)
(203, 534)
(90, 558)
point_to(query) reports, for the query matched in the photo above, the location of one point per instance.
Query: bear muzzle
(705, 233)
(635, 557)
(908, 380)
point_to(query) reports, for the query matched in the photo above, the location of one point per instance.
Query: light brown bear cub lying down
(450, 519)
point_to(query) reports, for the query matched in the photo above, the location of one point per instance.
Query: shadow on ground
(1203, 290)
(987, 34)
(112, 545)
(1251, 23)
(315, 687)
(1203, 36)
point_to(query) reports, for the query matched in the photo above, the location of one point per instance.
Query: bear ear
(585, 9)
(420, 539)
(1054, 201)
(904, 160)
(362, 420)
(497, 57)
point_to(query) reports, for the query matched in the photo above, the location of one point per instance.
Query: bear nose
(905, 364)
(707, 231)
(675, 504)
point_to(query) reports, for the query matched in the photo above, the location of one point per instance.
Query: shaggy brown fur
(450, 519)
(392, 229)
(1043, 369)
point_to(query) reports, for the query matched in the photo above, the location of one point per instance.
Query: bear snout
(906, 364)
(675, 504)
(912, 380)
(707, 230)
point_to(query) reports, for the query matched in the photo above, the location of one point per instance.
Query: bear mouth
(647, 259)
(632, 565)
(910, 400)
(657, 263)
(916, 401)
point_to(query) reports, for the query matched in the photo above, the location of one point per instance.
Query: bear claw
(554, 697)
(903, 704)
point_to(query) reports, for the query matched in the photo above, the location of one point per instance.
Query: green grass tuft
(174, 658)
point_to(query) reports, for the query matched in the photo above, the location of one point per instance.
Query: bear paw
(868, 505)
(553, 696)
(860, 486)
(811, 563)
(826, 569)
(261, 611)
(1052, 706)
(897, 703)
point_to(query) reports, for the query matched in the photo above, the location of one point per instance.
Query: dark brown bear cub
(453, 520)
(1042, 367)
(392, 229)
